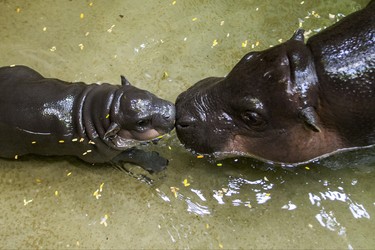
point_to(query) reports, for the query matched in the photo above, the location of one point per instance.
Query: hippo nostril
(185, 122)
(182, 125)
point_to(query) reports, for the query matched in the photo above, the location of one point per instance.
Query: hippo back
(344, 56)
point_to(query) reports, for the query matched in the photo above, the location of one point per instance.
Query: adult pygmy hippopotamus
(291, 103)
(97, 123)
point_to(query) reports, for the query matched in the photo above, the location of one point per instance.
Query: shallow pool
(165, 47)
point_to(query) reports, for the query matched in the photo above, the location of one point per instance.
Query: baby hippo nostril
(170, 114)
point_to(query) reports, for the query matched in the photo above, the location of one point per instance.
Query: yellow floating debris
(25, 202)
(56, 193)
(111, 29)
(194, 19)
(200, 156)
(174, 2)
(104, 219)
(174, 190)
(186, 183)
(315, 14)
(165, 75)
(69, 174)
(307, 168)
(219, 164)
(214, 43)
(18, 10)
(96, 194)
(244, 44)
(81, 15)
(61, 141)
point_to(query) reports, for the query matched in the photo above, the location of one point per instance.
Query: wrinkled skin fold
(291, 103)
(97, 123)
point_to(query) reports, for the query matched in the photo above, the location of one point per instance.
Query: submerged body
(290, 103)
(97, 123)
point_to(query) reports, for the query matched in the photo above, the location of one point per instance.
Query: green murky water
(166, 46)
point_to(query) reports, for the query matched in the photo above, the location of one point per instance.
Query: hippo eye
(253, 119)
(143, 123)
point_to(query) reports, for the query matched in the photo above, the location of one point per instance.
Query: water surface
(165, 47)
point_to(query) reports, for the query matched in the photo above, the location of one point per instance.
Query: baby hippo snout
(166, 119)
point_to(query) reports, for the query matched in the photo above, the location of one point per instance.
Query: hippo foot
(150, 161)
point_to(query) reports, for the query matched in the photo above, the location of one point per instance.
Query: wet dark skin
(291, 103)
(97, 123)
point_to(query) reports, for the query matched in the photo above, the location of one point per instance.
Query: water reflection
(237, 192)
(358, 210)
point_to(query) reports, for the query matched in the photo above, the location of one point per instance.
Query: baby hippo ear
(309, 116)
(298, 35)
(112, 130)
(124, 81)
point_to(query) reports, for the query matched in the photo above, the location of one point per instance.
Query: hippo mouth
(126, 139)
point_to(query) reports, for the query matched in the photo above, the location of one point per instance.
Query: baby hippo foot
(150, 161)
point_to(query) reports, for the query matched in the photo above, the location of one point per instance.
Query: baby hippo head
(138, 115)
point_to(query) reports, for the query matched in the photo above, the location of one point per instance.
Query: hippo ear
(124, 81)
(112, 130)
(298, 35)
(309, 116)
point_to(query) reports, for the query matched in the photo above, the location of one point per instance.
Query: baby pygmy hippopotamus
(98, 123)
(290, 103)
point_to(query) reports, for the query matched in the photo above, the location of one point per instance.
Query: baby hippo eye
(253, 119)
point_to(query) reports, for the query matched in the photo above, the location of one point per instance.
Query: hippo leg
(150, 161)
